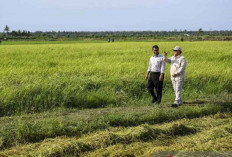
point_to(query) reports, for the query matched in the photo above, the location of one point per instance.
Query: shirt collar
(157, 55)
(178, 56)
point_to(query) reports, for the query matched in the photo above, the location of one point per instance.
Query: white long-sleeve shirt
(156, 64)
(178, 66)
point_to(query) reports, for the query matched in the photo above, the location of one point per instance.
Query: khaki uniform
(178, 66)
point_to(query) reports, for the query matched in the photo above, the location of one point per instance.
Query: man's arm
(166, 58)
(161, 78)
(146, 77)
(148, 70)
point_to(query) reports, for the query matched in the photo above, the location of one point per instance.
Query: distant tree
(19, 33)
(29, 33)
(24, 33)
(6, 29)
(14, 33)
(200, 31)
(44, 34)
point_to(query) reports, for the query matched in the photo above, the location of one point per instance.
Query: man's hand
(165, 53)
(174, 75)
(161, 78)
(146, 77)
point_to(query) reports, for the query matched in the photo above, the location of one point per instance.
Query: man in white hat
(178, 66)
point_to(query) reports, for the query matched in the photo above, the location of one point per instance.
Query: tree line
(24, 34)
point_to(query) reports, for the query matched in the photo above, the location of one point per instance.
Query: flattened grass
(37, 127)
(205, 134)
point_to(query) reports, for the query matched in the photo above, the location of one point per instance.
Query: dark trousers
(154, 83)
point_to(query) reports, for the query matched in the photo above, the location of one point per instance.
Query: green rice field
(90, 99)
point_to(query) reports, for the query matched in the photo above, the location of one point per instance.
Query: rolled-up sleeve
(168, 60)
(182, 66)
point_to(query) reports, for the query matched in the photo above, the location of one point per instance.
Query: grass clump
(180, 129)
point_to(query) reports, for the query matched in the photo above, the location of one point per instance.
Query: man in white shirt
(156, 69)
(178, 66)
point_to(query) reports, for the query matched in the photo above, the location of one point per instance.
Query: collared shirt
(178, 66)
(156, 64)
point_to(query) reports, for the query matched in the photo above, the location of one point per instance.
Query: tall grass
(35, 78)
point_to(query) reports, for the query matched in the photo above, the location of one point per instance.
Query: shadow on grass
(204, 102)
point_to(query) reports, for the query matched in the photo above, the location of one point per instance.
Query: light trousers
(177, 86)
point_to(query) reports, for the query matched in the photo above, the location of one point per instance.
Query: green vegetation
(36, 127)
(175, 35)
(211, 133)
(90, 99)
(36, 78)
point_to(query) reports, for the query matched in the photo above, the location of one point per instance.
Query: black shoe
(174, 105)
(158, 102)
(153, 101)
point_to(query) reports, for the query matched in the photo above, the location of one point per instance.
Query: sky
(115, 15)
